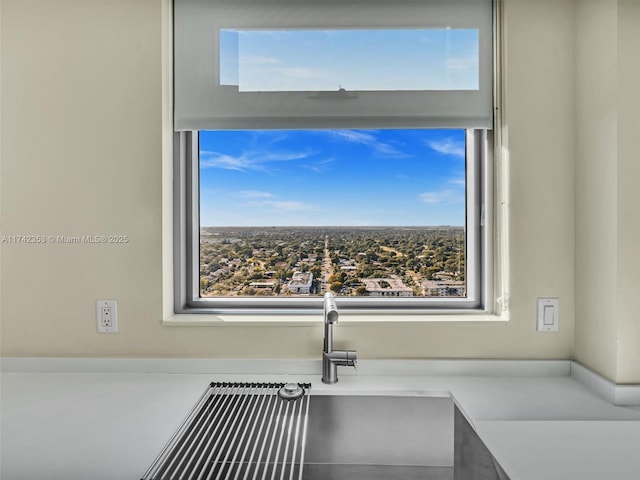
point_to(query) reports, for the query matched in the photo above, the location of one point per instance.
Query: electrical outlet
(107, 316)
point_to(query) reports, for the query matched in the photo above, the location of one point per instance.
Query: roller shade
(245, 64)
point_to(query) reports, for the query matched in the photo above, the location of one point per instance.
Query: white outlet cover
(104, 324)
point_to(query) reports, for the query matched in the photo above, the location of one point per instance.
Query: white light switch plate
(548, 314)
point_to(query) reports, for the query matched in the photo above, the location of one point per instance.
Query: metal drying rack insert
(239, 431)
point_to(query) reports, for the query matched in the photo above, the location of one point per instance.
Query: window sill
(346, 319)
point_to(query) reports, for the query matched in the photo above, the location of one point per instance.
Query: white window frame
(480, 217)
(187, 247)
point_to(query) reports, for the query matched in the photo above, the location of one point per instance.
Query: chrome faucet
(332, 358)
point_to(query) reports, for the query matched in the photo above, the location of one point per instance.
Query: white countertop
(112, 425)
(594, 450)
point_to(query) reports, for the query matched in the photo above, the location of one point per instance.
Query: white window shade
(243, 64)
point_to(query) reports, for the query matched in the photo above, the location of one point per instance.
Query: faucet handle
(352, 359)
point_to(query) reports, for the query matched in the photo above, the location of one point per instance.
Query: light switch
(548, 314)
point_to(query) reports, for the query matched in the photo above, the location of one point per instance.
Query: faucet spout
(330, 309)
(331, 358)
(330, 317)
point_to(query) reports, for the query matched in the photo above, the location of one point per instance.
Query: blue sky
(325, 60)
(332, 178)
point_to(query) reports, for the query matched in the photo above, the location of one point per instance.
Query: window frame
(479, 245)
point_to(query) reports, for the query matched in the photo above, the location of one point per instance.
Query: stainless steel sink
(254, 431)
(379, 437)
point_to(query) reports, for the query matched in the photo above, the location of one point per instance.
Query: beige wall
(596, 184)
(607, 203)
(629, 197)
(82, 154)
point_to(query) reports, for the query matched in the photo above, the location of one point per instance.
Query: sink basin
(257, 431)
(379, 437)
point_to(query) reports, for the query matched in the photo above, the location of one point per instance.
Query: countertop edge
(366, 367)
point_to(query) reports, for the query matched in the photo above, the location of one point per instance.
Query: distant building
(263, 285)
(300, 282)
(387, 287)
(347, 265)
(444, 288)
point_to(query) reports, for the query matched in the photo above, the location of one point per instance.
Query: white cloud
(220, 160)
(370, 140)
(463, 63)
(288, 206)
(255, 60)
(296, 72)
(252, 194)
(279, 205)
(442, 197)
(355, 136)
(248, 160)
(266, 74)
(268, 201)
(448, 146)
(320, 166)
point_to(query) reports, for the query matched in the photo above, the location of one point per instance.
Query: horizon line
(332, 226)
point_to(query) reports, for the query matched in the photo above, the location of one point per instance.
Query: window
(324, 167)
(313, 60)
(385, 219)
